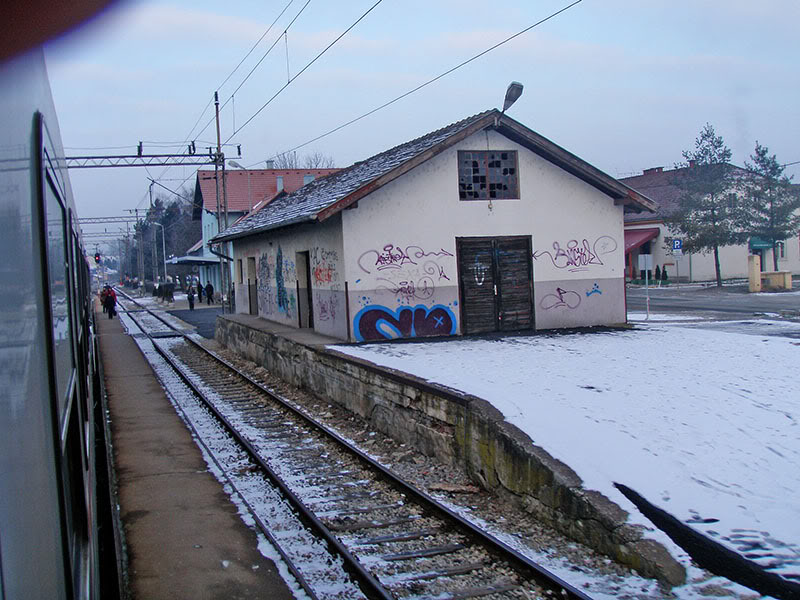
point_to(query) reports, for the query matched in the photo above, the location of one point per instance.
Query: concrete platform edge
(456, 428)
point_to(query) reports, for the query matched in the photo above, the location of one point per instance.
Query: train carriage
(57, 534)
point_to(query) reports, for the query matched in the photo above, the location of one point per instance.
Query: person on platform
(103, 294)
(190, 297)
(209, 292)
(110, 302)
(199, 291)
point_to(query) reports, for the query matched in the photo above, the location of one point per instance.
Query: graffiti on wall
(595, 290)
(377, 322)
(328, 304)
(561, 299)
(396, 257)
(273, 295)
(324, 266)
(410, 273)
(579, 256)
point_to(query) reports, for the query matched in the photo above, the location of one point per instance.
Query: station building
(481, 226)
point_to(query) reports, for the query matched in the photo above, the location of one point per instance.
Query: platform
(184, 537)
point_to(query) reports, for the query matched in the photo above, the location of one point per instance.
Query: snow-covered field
(703, 423)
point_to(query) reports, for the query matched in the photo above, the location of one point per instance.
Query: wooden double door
(496, 284)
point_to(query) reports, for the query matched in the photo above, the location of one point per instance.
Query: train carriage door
(496, 284)
(252, 286)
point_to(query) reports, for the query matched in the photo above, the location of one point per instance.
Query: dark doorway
(305, 307)
(252, 286)
(496, 284)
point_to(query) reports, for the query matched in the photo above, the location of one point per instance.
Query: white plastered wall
(400, 241)
(275, 256)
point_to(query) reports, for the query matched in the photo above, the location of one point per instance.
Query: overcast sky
(624, 84)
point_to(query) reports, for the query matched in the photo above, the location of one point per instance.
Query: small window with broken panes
(487, 175)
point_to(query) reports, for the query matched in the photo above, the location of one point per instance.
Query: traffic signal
(97, 257)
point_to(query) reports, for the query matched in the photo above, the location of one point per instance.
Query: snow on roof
(324, 197)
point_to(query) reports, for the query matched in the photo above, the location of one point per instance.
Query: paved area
(184, 536)
(730, 301)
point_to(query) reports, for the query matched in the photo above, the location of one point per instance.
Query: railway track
(394, 540)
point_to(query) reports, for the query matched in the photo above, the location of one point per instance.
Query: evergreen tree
(664, 276)
(708, 214)
(658, 273)
(772, 205)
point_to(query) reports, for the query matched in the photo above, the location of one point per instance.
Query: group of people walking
(108, 298)
(208, 291)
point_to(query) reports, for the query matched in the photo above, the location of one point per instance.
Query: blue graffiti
(595, 290)
(283, 298)
(377, 322)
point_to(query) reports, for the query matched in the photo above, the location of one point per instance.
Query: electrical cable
(249, 52)
(419, 87)
(317, 57)
(275, 43)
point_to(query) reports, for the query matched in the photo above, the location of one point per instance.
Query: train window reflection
(59, 300)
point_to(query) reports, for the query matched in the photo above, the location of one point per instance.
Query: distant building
(481, 226)
(649, 234)
(246, 191)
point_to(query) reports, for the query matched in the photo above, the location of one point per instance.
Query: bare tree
(317, 160)
(286, 160)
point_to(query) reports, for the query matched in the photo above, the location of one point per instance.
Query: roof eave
(263, 229)
(406, 166)
(578, 167)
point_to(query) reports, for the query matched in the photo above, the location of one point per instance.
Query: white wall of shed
(421, 212)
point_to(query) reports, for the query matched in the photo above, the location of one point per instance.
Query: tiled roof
(246, 188)
(659, 185)
(323, 197)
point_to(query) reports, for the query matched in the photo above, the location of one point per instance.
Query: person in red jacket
(110, 302)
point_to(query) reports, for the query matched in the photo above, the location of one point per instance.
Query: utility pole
(140, 251)
(153, 248)
(222, 219)
(128, 259)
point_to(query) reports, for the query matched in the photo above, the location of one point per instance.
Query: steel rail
(524, 564)
(369, 585)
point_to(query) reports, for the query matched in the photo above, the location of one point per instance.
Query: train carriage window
(59, 298)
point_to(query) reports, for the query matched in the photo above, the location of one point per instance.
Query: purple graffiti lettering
(562, 298)
(407, 290)
(374, 323)
(579, 256)
(394, 257)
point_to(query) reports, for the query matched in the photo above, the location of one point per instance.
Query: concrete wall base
(459, 429)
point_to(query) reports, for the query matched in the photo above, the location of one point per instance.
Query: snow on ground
(703, 423)
(643, 316)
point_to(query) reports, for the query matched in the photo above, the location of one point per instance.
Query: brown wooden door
(513, 265)
(495, 276)
(476, 275)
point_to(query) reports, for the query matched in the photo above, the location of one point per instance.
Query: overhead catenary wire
(419, 87)
(208, 104)
(311, 62)
(269, 50)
